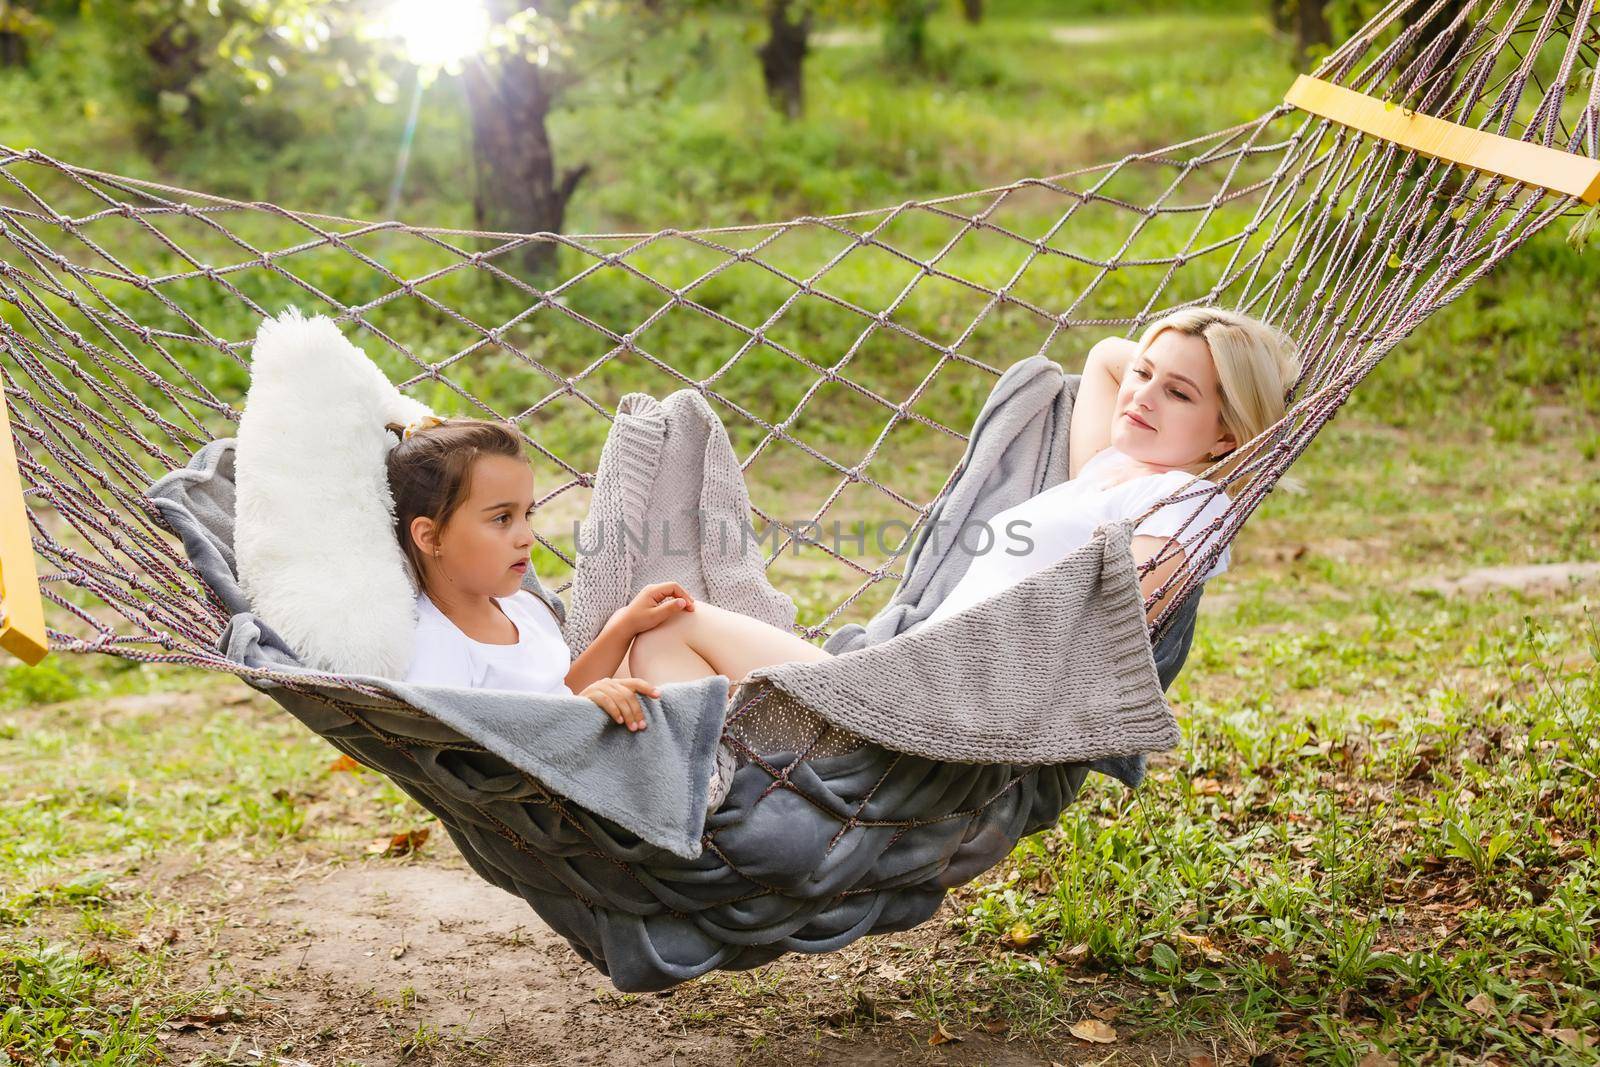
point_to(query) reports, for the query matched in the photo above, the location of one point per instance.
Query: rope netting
(127, 308)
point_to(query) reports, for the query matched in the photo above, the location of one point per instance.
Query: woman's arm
(1096, 402)
(1145, 547)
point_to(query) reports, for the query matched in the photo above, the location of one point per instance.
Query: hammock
(1427, 148)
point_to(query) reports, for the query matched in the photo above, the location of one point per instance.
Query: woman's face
(484, 546)
(1169, 409)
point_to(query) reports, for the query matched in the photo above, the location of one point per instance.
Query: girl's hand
(617, 697)
(655, 604)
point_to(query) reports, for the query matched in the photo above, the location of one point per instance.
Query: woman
(1148, 417)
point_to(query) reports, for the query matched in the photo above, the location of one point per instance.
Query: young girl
(462, 493)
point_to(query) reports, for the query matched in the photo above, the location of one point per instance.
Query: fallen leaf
(996, 1026)
(1482, 1005)
(343, 763)
(941, 1035)
(1107, 1013)
(1377, 1059)
(1093, 1030)
(154, 938)
(97, 956)
(1204, 945)
(1073, 955)
(1569, 1037)
(1279, 961)
(400, 844)
(199, 1020)
(1201, 1059)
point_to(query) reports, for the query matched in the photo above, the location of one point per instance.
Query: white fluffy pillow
(314, 521)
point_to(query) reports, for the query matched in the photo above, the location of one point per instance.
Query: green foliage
(45, 683)
(1278, 880)
(51, 1010)
(27, 29)
(1583, 230)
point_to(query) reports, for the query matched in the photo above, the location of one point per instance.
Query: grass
(1385, 821)
(1379, 839)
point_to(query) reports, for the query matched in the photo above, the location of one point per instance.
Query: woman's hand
(1112, 354)
(655, 604)
(618, 698)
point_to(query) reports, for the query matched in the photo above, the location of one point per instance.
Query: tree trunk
(1282, 15)
(14, 21)
(972, 11)
(518, 189)
(906, 31)
(784, 53)
(1311, 27)
(176, 58)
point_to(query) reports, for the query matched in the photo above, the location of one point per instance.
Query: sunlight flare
(437, 33)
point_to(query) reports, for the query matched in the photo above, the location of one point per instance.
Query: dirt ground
(379, 961)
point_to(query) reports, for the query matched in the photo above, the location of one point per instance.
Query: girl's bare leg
(711, 640)
(663, 661)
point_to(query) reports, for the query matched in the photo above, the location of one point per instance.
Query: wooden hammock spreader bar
(1530, 164)
(21, 608)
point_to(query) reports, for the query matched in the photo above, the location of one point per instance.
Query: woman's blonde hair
(1257, 366)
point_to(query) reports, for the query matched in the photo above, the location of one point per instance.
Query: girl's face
(484, 546)
(1169, 408)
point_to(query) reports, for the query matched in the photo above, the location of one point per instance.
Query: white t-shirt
(537, 663)
(1065, 516)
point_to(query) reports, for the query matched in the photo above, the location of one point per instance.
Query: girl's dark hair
(430, 473)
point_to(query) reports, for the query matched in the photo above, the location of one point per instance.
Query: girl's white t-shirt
(537, 663)
(1065, 516)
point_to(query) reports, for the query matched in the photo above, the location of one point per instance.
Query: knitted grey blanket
(1056, 669)
(667, 489)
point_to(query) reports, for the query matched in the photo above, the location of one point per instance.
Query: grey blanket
(667, 487)
(1056, 669)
